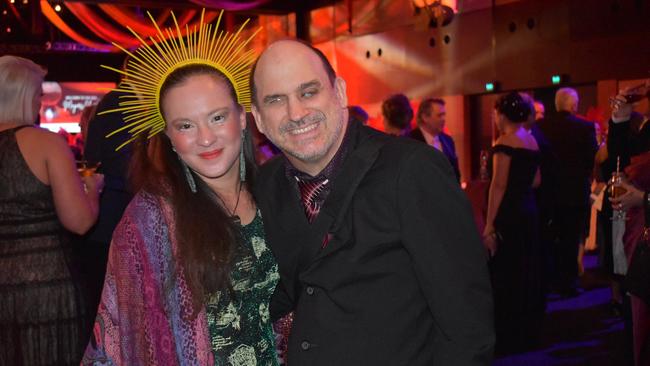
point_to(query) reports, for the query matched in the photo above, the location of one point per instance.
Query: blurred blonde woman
(41, 198)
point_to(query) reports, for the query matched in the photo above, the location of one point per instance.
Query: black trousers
(569, 224)
(91, 258)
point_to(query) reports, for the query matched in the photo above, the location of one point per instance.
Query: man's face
(435, 121)
(297, 108)
(539, 110)
(574, 104)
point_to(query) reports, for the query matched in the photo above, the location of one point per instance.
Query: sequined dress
(239, 324)
(40, 311)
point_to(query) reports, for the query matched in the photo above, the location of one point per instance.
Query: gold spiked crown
(151, 64)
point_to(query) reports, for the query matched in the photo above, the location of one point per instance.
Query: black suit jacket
(546, 190)
(448, 148)
(573, 142)
(403, 279)
(114, 165)
(625, 140)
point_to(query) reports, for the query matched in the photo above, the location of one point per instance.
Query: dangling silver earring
(188, 175)
(242, 161)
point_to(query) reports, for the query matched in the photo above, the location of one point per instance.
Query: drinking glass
(85, 168)
(615, 191)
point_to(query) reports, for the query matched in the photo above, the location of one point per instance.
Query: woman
(189, 276)
(637, 204)
(511, 230)
(41, 194)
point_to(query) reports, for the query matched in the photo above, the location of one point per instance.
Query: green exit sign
(489, 87)
(556, 79)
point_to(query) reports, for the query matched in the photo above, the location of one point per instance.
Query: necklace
(234, 217)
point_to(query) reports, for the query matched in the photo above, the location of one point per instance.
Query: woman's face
(204, 125)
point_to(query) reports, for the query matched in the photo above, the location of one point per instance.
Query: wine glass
(86, 168)
(615, 191)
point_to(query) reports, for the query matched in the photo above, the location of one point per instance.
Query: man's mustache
(295, 124)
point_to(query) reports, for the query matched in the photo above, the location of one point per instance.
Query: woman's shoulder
(38, 133)
(513, 144)
(48, 142)
(145, 206)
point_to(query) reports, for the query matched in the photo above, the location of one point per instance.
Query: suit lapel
(300, 242)
(446, 147)
(417, 134)
(359, 161)
(285, 223)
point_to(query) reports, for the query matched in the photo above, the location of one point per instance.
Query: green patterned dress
(240, 325)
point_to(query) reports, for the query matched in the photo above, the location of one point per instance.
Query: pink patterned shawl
(139, 320)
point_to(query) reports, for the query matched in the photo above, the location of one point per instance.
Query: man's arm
(281, 304)
(438, 231)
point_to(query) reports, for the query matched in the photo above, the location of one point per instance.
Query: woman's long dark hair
(205, 232)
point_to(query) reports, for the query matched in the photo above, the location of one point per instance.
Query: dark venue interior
(470, 54)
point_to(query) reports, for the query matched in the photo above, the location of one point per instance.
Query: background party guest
(41, 195)
(397, 114)
(511, 233)
(431, 123)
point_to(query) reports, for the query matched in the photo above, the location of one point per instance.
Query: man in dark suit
(115, 197)
(378, 254)
(431, 122)
(545, 193)
(573, 142)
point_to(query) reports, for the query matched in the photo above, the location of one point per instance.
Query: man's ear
(340, 88)
(258, 119)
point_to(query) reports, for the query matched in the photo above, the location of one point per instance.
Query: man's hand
(632, 198)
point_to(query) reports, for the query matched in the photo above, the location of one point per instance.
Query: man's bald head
(299, 103)
(280, 46)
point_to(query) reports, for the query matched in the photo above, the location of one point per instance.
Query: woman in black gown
(511, 231)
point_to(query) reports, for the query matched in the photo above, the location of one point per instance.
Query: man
(358, 114)
(397, 113)
(382, 265)
(431, 122)
(99, 150)
(545, 193)
(539, 110)
(572, 141)
(628, 135)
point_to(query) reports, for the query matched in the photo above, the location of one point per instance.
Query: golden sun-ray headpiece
(151, 64)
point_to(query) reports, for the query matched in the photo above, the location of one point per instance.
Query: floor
(581, 330)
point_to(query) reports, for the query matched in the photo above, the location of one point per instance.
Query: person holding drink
(41, 198)
(629, 194)
(632, 198)
(628, 135)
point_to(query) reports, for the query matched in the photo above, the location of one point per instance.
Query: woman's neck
(226, 185)
(511, 129)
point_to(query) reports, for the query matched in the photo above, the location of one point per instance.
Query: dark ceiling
(271, 7)
(26, 32)
(24, 29)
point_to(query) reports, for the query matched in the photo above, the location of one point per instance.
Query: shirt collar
(429, 138)
(331, 169)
